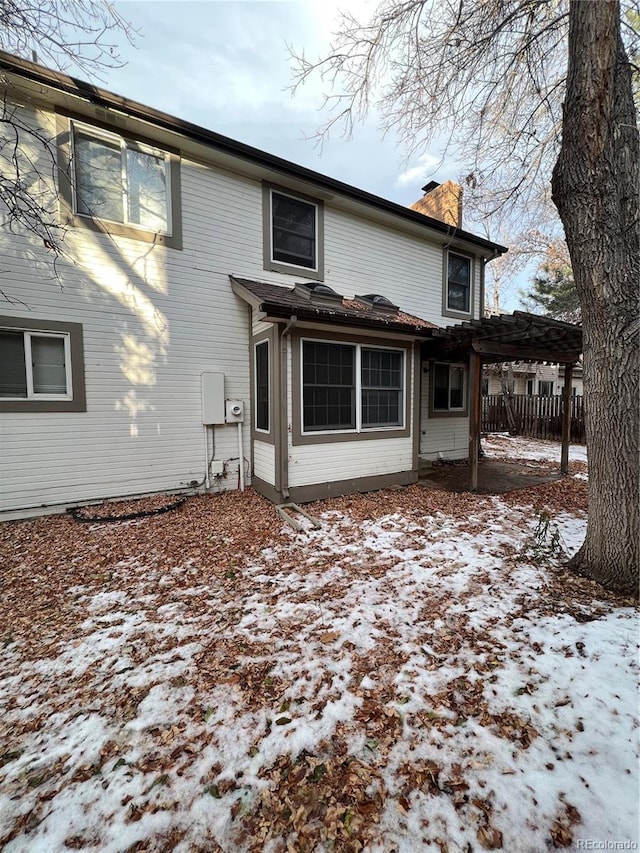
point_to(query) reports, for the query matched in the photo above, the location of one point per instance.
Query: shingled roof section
(283, 302)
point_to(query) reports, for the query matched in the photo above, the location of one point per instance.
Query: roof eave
(71, 85)
(277, 313)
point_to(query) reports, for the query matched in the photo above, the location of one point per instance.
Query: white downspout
(207, 478)
(241, 456)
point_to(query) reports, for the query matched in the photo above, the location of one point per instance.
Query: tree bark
(595, 188)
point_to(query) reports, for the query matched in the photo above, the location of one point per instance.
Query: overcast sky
(224, 64)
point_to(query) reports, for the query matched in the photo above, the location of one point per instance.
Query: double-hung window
(351, 387)
(449, 388)
(293, 234)
(118, 180)
(545, 387)
(458, 290)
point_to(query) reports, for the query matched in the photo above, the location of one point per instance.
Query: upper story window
(121, 181)
(117, 184)
(41, 368)
(293, 234)
(458, 288)
(351, 387)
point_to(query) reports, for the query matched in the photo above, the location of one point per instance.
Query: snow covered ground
(416, 675)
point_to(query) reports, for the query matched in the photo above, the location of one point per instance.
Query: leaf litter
(418, 674)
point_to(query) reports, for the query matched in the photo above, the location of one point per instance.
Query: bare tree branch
(482, 81)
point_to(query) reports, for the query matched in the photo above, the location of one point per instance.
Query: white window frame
(31, 394)
(115, 138)
(295, 267)
(461, 409)
(255, 374)
(549, 386)
(359, 428)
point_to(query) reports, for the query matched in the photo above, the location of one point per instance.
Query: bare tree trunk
(595, 188)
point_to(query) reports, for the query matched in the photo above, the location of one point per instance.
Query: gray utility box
(213, 408)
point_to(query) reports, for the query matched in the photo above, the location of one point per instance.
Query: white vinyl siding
(264, 461)
(154, 319)
(309, 464)
(441, 438)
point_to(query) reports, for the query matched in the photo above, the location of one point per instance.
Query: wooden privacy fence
(539, 417)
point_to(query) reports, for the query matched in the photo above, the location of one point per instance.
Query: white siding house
(102, 353)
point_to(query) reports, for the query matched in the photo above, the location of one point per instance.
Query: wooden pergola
(519, 337)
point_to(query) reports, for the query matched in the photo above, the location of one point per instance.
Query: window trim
(550, 388)
(449, 413)
(75, 399)
(299, 437)
(269, 335)
(452, 312)
(259, 431)
(66, 123)
(315, 273)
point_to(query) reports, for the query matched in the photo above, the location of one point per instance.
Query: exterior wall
(264, 461)
(154, 318)
(441, 437)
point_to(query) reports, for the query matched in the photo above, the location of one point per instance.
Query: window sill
(451, 413)
(290, 269)
(31, 406)
(351, 435)
(119, 229)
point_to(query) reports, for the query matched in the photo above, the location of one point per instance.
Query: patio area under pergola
(517, 337)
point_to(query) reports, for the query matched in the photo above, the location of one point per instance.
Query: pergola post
(475, 391)
(566, 418)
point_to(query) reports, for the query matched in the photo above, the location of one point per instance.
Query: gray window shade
(48, 365)
(98, 168)
(13, 373)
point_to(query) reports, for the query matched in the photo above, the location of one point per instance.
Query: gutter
(274, 313)
(101, 97)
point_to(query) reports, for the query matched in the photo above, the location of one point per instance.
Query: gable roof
(58, 81)
(283, 302)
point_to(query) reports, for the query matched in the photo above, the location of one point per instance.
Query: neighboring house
(545, 380)
(221, 316)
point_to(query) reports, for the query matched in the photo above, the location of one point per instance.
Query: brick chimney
(441, 201)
